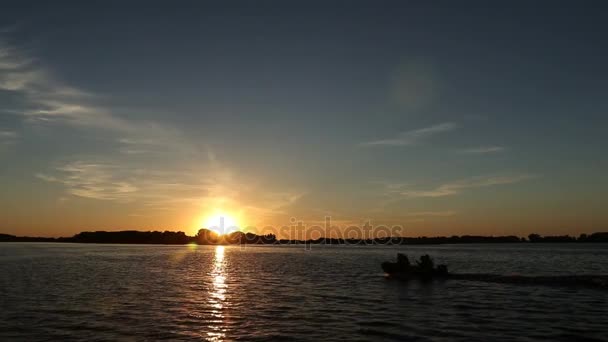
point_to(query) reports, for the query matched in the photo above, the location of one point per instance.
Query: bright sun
(221, 223)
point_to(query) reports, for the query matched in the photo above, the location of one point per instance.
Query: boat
(424, 269)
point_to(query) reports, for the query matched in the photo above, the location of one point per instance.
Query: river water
(93, 292)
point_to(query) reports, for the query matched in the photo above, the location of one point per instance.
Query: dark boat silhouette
(423, 269)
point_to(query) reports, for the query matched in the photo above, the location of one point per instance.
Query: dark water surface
(127, 292)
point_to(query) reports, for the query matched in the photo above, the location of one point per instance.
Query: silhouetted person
(426, 264)
(403, 262)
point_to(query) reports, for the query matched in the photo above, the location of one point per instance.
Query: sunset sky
(443, 117)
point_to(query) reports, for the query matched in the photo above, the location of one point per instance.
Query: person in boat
(426, 264)
(425, 267)
(401, 266)
(403, 262)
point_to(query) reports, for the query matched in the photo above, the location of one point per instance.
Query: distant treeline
(208, 237)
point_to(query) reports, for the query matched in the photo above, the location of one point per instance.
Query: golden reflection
(180, 254)
(217, 296)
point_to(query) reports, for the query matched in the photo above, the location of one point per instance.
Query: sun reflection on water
(217, 297)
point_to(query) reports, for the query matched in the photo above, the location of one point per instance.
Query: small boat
(424, 269)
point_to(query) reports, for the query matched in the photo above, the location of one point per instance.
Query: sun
(221, 223)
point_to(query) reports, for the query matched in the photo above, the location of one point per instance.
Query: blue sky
(443, 117)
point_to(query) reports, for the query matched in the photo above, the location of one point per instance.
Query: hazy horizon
(444, 118)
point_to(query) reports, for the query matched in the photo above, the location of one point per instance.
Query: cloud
(181, 189)
(125, 183)
(152, 165)
(167, 143)
(11, 58)
(413, 137)
(89, 180)
(47, 99)
(8, 137)
(483, 150)
(456, 187)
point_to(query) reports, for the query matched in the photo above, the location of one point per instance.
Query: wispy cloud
(413, 137)
(8, 137)
(47, 99)
(127, 169)
(9, 60)
(125, 183)
(179, 184)
(453, 188)
(482, 150)
(168, 190)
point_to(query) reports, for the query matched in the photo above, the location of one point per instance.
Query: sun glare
(221, 223)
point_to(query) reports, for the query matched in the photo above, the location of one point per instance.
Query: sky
(441, 117)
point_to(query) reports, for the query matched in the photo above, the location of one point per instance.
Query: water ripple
(216, 293)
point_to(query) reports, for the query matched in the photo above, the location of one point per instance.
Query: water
(128, 292)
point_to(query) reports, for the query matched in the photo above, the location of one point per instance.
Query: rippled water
(126, 292)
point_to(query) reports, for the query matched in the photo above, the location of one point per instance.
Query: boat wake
(425, 270)
(586, 281)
